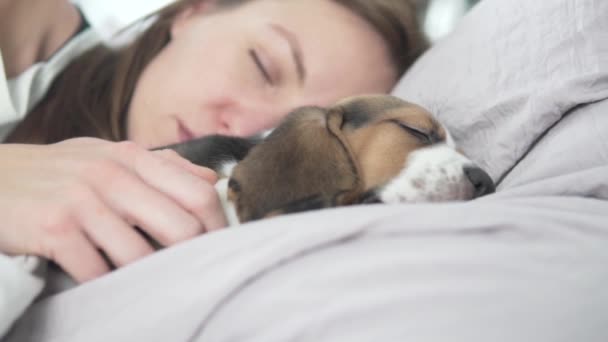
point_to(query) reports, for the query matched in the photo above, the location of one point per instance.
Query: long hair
(91, 96)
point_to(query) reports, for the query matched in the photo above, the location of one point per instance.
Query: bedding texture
(523, 85)
(510, 71)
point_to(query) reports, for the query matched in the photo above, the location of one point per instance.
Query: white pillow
(510, 71)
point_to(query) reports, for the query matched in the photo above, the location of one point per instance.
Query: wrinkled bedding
(525, 264)
(523, 87)
(526, 267)
(510, 71)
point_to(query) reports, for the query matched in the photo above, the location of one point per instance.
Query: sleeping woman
(77, 174)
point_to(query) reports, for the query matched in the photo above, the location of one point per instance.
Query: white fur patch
(430, 174)
(229, 210)
(222, 189)
(266, 133)
(226, 169)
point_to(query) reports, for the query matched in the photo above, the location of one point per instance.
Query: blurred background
(439, 17)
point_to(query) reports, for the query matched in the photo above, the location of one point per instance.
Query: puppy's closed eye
(418, 133)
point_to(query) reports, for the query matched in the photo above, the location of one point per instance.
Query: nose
(482, 183)
(248, 119)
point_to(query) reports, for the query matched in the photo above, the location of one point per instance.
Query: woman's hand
(69, 200)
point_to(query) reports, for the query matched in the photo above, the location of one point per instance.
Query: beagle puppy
(365, 149)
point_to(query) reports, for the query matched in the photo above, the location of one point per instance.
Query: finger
(140, 204)
(195, 194)
(120, 241)
(127, 151)
(77, 255)
(200, 171)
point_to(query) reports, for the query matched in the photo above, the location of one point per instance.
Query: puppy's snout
(482, 183)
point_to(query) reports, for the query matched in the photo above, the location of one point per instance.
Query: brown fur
(330, 155)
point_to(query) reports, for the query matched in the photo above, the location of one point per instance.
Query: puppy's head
(345, 154)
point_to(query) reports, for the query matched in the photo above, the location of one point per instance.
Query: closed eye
(423, 137)
(256, 59)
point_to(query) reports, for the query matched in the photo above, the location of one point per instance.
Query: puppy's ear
(304, 164)
(336, 121)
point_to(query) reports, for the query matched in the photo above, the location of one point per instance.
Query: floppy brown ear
(335, 124)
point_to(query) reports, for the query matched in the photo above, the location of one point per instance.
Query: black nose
(482, 183)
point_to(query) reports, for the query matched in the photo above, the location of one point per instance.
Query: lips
(183, 132)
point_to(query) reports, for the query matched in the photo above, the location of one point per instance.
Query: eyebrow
(296, 49)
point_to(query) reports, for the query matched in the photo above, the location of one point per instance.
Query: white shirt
(22, 278)
(108, 20)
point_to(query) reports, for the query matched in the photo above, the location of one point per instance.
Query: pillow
(570, 160)
(509, 72)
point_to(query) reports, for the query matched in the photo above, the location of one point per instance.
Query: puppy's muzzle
(436, 174)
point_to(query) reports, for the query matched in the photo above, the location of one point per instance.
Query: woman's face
(239, 71)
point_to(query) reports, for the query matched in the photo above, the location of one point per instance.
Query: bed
(523, 85)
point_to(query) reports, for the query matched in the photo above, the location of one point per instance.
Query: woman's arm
(67, 201)
(32, 31)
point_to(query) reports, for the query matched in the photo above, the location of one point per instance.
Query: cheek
(168, 86)
(164, 81)
(196, 76)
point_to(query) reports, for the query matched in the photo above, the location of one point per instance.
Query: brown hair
(100, 83)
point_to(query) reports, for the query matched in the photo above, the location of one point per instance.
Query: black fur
(214, 150)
